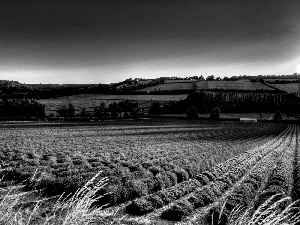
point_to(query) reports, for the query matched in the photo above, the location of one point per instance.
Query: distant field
(171, 86)
(144, 81)
(280, 79)
(232, 85)
(89, 101)
(290, 88)
(241, 85)
(178, 81)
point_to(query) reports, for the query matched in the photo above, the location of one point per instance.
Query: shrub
(277, 116)
(154, 170)
(156, 201)
(192, 112)
(203, 179)
(172, 177)
(155, 108)
(178, 211)
(138, 187)
(181, 174)
(139, 206)
(166, 196)
(215, 113)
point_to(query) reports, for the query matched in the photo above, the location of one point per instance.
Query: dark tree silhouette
(215, 113)
(192, 112)
(277, 116)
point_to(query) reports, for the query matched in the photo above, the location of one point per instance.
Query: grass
(289, 87)
(269, 213)
(170, 87)
(76, 209)
(232, 85)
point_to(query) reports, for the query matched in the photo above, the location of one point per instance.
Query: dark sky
(102, 41)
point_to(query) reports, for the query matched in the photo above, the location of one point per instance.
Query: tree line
(233, 102)
(124, 108)
(21, 108)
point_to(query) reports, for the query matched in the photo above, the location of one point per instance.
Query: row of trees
(115, 109)
(21, 108)
(215, 114)
(192, 113)
(234, 102)
(244, 102)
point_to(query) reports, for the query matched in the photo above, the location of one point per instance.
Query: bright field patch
(244, 85)
(171, 86)
(289, 87)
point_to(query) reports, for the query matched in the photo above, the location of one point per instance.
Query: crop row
(226, 173)
(130, 157)
(214, 190)
(164, 176)
(263, 181)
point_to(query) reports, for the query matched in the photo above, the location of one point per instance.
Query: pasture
(171, 86)
(189, 85)
(239, 85)
(288, 88)
(162, 171)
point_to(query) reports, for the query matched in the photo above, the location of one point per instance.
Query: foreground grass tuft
(76, 209)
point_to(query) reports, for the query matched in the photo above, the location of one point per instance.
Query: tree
(67, 112)
(114, 109)
(84, 113)
(277, 116)
(99, 111)
(63, 111)
(192, 112)
(155, 108)
(215, 113)
(211, 77)
(71, 110)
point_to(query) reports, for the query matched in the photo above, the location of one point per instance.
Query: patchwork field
(171, 86)
(160, 171)
(289, 87)
(239, 85)
(244, 85)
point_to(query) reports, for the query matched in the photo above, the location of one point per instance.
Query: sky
(105, 41)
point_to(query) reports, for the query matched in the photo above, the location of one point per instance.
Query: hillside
(204, 85)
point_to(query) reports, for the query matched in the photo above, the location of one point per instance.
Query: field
(280, 79)
(243, 85)
(178, 81)
(160, 171)
(171, 86)
(89, 101)
(289, 88)
(240, 85)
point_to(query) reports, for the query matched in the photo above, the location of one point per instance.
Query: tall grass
(270, 212)
(76, 209)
